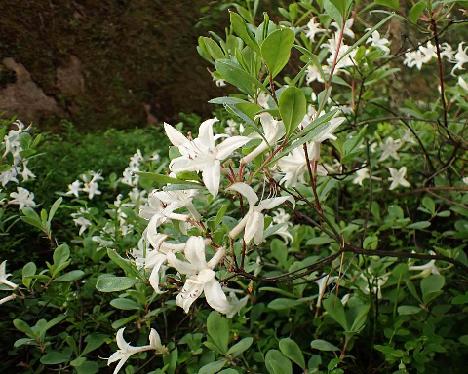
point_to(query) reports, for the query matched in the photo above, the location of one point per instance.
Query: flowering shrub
(313, 225)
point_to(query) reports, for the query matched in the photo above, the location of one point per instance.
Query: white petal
(228, 146)
(155, 340)
(218, 256)
(121, 343)
(216, 297)
(234, 233)
(195, 252)
(120, 364)
(154, 277)
(175, 136)
(205, 133)
(211, 176)
(182, 267)
(191, 291)
(253, 225)
(271, 203)
(245, 190)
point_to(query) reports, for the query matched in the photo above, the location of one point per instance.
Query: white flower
(8, 176)
(155, 156)
(414, 58)
(126, 350)
(346, 27)
(202, 154)
(314, 154)
(465, 180)
(377, 283)
(361, 175)
(272, 131)
(376, 41)
(91, 185)
(12, 141)
(462, 83)
(23, 198)
(83, 224)
(390, 148)
(447, 51)
(232, 127)
(280, 217)
(398, 178)
(408, 137)
(428, 52)
(74, 188)
(313, 74)
(426, 269)
(25, 173)
(220, 82)
(323, 284)
(158, 212)
(7, 298)
(460, 58)
(202, 278)
(341, 62)
(253, 222)
(313, 28)
(294, 165)
(4, 277)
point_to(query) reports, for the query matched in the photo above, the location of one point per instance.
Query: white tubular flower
(341, 62)
(4, 277)
(415, 58)
(428, 52)
(346, 27)
(25, 173)
(91, 186)
(7, 298)
(156, 256)
(462, 83)
(447, 51)
(202, 278)
(313, 74)
(314, 154)
(294, 165)
(253, 221)
(23, 198)
(83, 223)
(378, 282)
(202, 154)
(426, 269)
(280, 217)
(460, 58)
(323, 284)
(74, 189)
(8, 176)
(179, 199)
(313, 28)
(398, 178)
(378, 42)
(272, 131)
(390, 149)
(363, 174)
(126, 350)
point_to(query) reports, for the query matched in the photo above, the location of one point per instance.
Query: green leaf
(408, 310)
(126, 265)
(109, 283)
(27, 272)
(240, 28)
(277, 363)
(323, 345)
(421, 225)
(61, 254)
(276, 50)
(54, 357)
(292, 107)
(240, 347)
(94, 341)
(429, 204)
(431, 287)
(71, 276)
(394, 4)
(125, 304)
(23, 327)
(218, 330)
(290, 349)
(53, 209)
(283, 304)
(336, 311)
(371, 242)
(233, 73)
(212, 367)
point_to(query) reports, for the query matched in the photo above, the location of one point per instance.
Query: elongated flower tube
(253, 221)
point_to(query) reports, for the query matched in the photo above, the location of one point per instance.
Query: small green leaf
(323, 345)
(277, 363)
(240, 28)
(94, 341)
(283, 304)
(233, 73)
(125, 304)
(290, 349)
(276, 50)
(240, 347)
(71, 276)
(293, 107)
(109, 283)
(218, 330)
(371, 242)
(421, 225)
(431, 287)
(54, 357)
(416, 11)
(212, 367)
(408, 310)
(61, 254)
(336, 311)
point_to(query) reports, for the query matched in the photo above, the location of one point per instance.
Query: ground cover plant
(317, 224)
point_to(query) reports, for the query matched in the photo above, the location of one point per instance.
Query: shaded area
(113, 63)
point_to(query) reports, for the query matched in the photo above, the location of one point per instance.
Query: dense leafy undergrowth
(317, 225)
